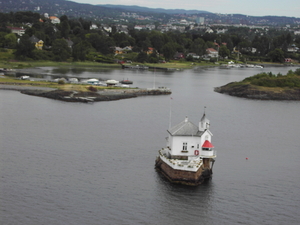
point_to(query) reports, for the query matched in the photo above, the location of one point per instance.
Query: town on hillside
(65, 32)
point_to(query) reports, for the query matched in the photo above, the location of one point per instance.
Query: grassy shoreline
(179, 65)
(174, 64)
(31, 64)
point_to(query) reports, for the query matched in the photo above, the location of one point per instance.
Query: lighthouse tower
(204, 123)
(189, 155)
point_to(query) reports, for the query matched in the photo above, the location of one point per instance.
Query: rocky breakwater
(255, 92)
(97, 96)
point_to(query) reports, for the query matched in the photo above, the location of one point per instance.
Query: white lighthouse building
(189, 155)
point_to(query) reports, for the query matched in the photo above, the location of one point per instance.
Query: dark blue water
(75, 163)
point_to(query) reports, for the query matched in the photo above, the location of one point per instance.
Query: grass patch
(180, 64)
(14, 64)
(6, 55)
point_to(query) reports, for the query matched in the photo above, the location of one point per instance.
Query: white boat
(73, 80)
(60, 79)
(25, 77)
(7, 71)
(91, 81)
(122, 85)
(258, 66)
(112, 82)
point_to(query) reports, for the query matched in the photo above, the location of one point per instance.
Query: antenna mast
(170, 112)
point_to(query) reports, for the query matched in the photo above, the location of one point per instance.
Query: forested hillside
(75, 39)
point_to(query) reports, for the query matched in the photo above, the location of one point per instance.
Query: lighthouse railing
(187, 165)
(209, 154)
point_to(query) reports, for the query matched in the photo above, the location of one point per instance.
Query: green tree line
(98, 45)
(290, 80)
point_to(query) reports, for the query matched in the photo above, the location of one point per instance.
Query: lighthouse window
(184, 147)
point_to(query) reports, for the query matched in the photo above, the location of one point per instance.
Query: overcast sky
(290, 8)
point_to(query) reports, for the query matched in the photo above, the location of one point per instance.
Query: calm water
(75, 163)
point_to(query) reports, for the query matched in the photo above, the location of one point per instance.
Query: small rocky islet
(266, 86)
(253, 92)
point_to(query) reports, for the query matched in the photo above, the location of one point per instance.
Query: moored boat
(137, 67)
(6, 71)
(126, 82)
(25, 77)
(112, 82)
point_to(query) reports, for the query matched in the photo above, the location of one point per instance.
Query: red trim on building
(207, 144)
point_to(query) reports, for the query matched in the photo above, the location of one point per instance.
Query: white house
(209, 30)
(54, 19)
(293, 48)
(212, 53)
(189, 155)
(93, 27)
(187, 140)
(17, 30)
(107, 29)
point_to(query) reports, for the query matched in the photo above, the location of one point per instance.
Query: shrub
(61, 81)
(290, 80)
(297, 72)
(91, 88)
(256, 77)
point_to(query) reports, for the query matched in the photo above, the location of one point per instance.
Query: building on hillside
(118, 50)
(200, 20)
(107, 29)
(293, 48)
(122, 29)
(193, 55)
(212, 53)
(179, 55)
(221, 31)
(69, 43)
(139, 27)
(189, 155)
(93, 27)
(54, 19)
(127, 48)
(38, 43)
(288, 60)
(17, 30)
(150, 51)
(209, 30)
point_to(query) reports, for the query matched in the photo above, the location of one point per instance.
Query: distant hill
(58, 8)
(135, 8)
(107, 13)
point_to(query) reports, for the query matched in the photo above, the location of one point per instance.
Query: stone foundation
(181, 176)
